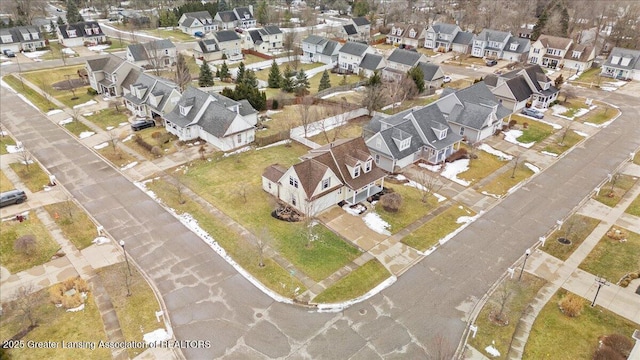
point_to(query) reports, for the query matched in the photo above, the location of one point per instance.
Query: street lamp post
(526, 256)
(601, 281)
(126, 276)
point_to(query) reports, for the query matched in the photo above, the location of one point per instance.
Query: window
(367, 166)
(293, 181)
(576, 55)
(356, 171)
(377, 159)
(239, 138)
(293, 200)
(536, 51)
(461, 130)
(184, 110)
(269, 185)
(326, 183)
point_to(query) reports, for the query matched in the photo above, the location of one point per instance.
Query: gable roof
(226, 35)
(144, 51)
(554, 42)
(493, 35)
(315, 39)
(272, 30)
(20, 33)
(479, 94)
(227, 16)
(354, 48)
(199, 15)
(444, 28)
(243, 13)
(523, 45)
(519, 88)
(204, 44)
(471, 115)
(80, 29)
(429, 70)
(361, 21)
(274, 172)
(632, 55)
(331, 48)
(107, 63)
(463, 38)
(584, 50)
(350, 29)
(404, 57)
(370, 61)
(256, 38)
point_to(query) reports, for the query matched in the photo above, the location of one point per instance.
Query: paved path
(208, 300)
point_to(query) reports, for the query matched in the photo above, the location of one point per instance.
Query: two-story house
(516, 50)
(490, 43)
(80, 34)
(241, 17)
(153, 54)
(363, 28)
(523, 87)
(400, 140)
(549, 51)
(318, 49)
(151, 96)
(197, 22)
(266, 39)
(207, 50)
(224, 123)
(350, 56)
(623, 64)
(399, 62)
(463, 42)
(21, 38)
(108, 74)
(579, 57)
(439, 36)
(406, 36)
(340, 171)
(229, 43)
(372, 63)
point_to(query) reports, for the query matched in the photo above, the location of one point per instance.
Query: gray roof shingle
(361, 21)
(226, 35)
(371, 61)
(354, 48)
(350, 29)
(404, 57)
(429, 70)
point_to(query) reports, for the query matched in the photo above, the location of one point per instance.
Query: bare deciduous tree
(26, 303)
(503, 295)
(307, 113)
(262, 242)
(68, 207)
(26, 245)
(25, 158)
(241, 190)
(441, 349)
(182, 77)
(429, 183)
(374, 96)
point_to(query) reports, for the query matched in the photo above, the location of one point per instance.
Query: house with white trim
(21, 38)
(439, 36)
(151, 97)
(549, 51)
(622, 64)
(406, 36)
(197, 21)
(350, 56)
(108, 74)
(153, 54)
(81, 34)
(519, 88)
(319, 49)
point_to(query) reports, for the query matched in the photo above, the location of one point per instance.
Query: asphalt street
(208, 300)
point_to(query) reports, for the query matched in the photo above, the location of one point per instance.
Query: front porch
(363, 193)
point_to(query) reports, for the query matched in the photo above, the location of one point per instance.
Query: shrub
(512, 123)
(525, 125)
(69, 302)
(607, 353)
(462, 153)
(274, 104)
(25, 244)
(156, 134)
(391, 202)
(92, 92)
(156, 150)
(140, 141)
(619, 343)
(81, 285)
(571, 305)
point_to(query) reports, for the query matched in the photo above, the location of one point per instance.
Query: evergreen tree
(206, 77)
(287, 84)
(360, 8)
(223, 72)
(250, 78)
(374, 79)
(325, 82)
(302, 85)
(240, 74)
(539, 26)
(60, 21)
(564, 21)
(416, 74)
(222, 5)
(275, 78)
(262, 13)
(73, 15)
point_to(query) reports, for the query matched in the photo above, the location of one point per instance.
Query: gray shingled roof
(17, 34)
(208, 42)
(227, 16)
(519, 87)
(256, 38)
(371, 61)
(523, 45)
(350, 29)
(405, 57)
(429, 70)
(444, 28)
(634, 56)
(141, 51)
(191, 96)
(473, 116)
(226, 35)
(479, 93)
(107, 63)
(80, 29)
(272, 30)
(463, 38)
(354, 48)
(361, 21)
(314, 39)
(330, 48)
(241, 12)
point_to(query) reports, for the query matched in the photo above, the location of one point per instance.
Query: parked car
(142, 124)
(446, 79)
(199, 34)
(9, 53)
(533, 113)
(492, 62)
(12, 197)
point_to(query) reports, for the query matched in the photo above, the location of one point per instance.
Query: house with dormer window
(400, 140)
(623, 64)
(240, 17)
(439, 36)
(80, 34)
(25, 38)
(519, 88)
(549, 51)
(151, 96)
(197, 22)
(109, 74)
(350, 56)
(153, 54)
(579, 57)
(224, 123)
(406, 36)
(265, 40)
(340, 171)
(400, 61)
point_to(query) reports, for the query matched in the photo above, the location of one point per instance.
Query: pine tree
(240, 74)
(223, 72)
(325, 82)
(60, 21)
(416, 74)
(73, 15)
(374, 79)
(540, 24)
(250, 79)
(301, 83)
(275, 78)
(262, 12)
(206, 77)
(564, 21)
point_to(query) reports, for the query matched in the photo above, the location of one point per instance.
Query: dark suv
(12, 197)
(492, 62)
(142, 124)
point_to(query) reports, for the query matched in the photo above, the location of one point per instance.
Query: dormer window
(626, 60)
(367, 166)
(576, 54)
(184, 110)
(615, 59)
(356, 171)
(7, 39)
(247, 16)
(513, 46)
(440, 133)
(34, 36)
(412, 33)
(72, 33)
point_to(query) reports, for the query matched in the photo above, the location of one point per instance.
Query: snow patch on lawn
(156, 336)
(65, 121)
(53, 112)
(90, 102)
(282, 142)
(129, 166)
(492, 195)
(439, 197)
(98, 48)
(34, 54)
(241, 150)
(512, 136)
(532, 167)
(86, 134)
(101, 146)
(375, 223)
(554, 125)
(492, 151)
(581, 133)
(337, 93)
(452, 169)
(549, 153)
(128, 138)
(390, 106)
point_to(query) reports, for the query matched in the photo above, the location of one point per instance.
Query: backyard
(408, 104)
(437, 228)
(290, 117)
(613, 258)
(559, 337)
(173, 35)
(351, 130)
(575, 230)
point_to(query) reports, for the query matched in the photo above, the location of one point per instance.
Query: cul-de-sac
(320, 179)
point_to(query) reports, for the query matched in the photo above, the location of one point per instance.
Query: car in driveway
(142, 124)
(12, 197)
(446, 79)
(533, 113)
(9, 53)
(491, 62)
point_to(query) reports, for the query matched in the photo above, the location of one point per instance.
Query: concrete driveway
(352, 228)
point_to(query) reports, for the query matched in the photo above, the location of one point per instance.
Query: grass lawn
(119, 157)
(54, 324)
(74, 223)
(16, 261)
(136, 313)
(485, 165)
(411, 210)
(352, 129)
(576, 229)
(600, 115)
(611, 196)
(355, 284)
(459, 84)
(278, 94)
(33, 177)
(264, 73)
(636, 159)
(272, 274)
(569, 141)
(590, 76)
(54, 51)
(117, 45)
(5, 183)
(108, 117)
(421, 101)
(520, 295)
(77, 127)
(46, 78)
(154, 136)
(4, 141)
(535, 131)
(290, 116)
(173, 35)
(559, 337)
(33, 96)
(634, 207)
(334, 79)
(503, 182)
(613, 259)
(437, 228)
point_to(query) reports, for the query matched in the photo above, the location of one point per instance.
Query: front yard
(484, 165)
(32, 175)
(356, 283)
(108, 118)
(558, 147)
(613, 258)
(45, 79)
(634, 207)
(4, 141)
(506, 180)
(411, 210)
(74, 223)
(535, 131)
(5, 183)
(32, 95)
(437, 228)
(38, 253)
(173, 35)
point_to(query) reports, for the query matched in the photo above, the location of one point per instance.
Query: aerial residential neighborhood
(428, 179)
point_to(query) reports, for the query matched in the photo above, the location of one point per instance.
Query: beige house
(108, 74)
(549, 51)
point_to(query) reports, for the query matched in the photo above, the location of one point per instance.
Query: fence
(340, 88)
(270, 139)
(257, 53)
